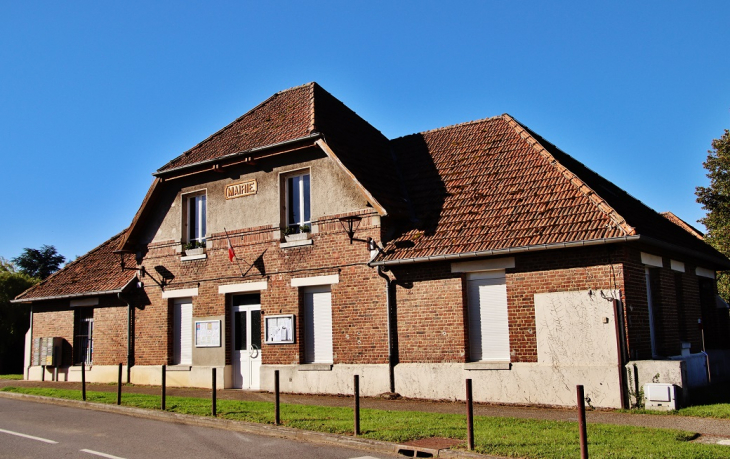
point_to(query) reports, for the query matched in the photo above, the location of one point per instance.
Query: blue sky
(95, 96)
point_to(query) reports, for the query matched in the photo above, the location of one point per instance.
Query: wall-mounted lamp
(350, 224)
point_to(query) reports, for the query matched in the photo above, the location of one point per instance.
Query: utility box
(660, 396)
(47, 351)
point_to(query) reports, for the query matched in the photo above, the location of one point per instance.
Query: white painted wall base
(339, 380)
(181, 376)
(656, 371)
(524, 383)
(94, 374)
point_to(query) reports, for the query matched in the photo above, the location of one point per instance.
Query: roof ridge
(230, 125)
(452, 126)
(587, 191)
(72, 263)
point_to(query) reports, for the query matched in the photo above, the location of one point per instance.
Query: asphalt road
(38, 430)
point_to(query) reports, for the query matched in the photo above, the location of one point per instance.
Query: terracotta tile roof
(97, 271)
(683, 224)
(493, 184)
(300, 112)
(287, 115)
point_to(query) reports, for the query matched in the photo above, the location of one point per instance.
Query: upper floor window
(195, 206)
(297, 201)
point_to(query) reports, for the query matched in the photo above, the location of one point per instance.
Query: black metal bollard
(357, 405)
(213, 410)
(582, 423)
(277, 417)
(164, 376)
(469, 416)
(83, 381)
(119, 386)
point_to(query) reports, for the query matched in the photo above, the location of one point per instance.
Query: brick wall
(358, 300)
(431, 302)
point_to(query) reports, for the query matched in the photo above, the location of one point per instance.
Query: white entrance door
(246, 341)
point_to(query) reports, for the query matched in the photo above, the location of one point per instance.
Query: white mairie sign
(236, 190)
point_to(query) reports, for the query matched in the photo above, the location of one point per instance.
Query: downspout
(391, 327)
(129, 336)
(621, 348)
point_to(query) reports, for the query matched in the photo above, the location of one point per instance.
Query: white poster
(280, 329)
(207, 333)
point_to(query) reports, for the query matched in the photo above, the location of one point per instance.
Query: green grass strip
(499, 436)
(12, 377)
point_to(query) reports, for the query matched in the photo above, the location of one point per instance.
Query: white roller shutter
(488, 322)
(183, 332)
(318, 324)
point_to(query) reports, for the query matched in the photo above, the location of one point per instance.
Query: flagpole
(230, 246)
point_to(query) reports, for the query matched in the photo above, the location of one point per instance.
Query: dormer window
(297, 201)
(195, 206)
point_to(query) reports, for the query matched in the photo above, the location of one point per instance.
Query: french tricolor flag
(231, 253)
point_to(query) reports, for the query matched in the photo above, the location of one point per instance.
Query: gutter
(559, 245)
(160, 173)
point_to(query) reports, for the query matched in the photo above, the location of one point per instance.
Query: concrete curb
(244, 427)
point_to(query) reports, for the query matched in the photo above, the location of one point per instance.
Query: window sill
(178, 368)
(314, 367)
(193, 257)
(286, 245)
(76, 367)
(487, 366)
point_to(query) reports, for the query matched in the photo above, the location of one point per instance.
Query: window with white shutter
(317, 324)
(182, 345)
(487, 315)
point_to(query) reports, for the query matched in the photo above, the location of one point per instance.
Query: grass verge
(498, 436)
(12, 377)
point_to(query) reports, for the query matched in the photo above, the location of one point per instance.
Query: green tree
(14, 318)
(39, 263)
(715, 199)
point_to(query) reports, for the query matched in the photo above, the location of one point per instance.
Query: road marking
(44, 440)
(97, 453)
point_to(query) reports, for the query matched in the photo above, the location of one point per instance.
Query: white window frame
(317, 325)
(182, 323)
(488, 350)
(201, 227)
(301, 204)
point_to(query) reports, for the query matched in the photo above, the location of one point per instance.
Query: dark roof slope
(363, 150)
(96, 272)
(683, 224)
(493, 185)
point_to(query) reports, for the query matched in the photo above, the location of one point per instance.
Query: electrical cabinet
(660, 396)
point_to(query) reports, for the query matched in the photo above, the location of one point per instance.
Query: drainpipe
(621, 348)
(129, 336)
(391, 328)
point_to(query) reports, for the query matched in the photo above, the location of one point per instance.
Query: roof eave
(74, 295)
(725, 263)
(160, 172)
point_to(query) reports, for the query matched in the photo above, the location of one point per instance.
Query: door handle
(254, 351)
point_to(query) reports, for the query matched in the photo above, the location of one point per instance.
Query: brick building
(300, 239)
